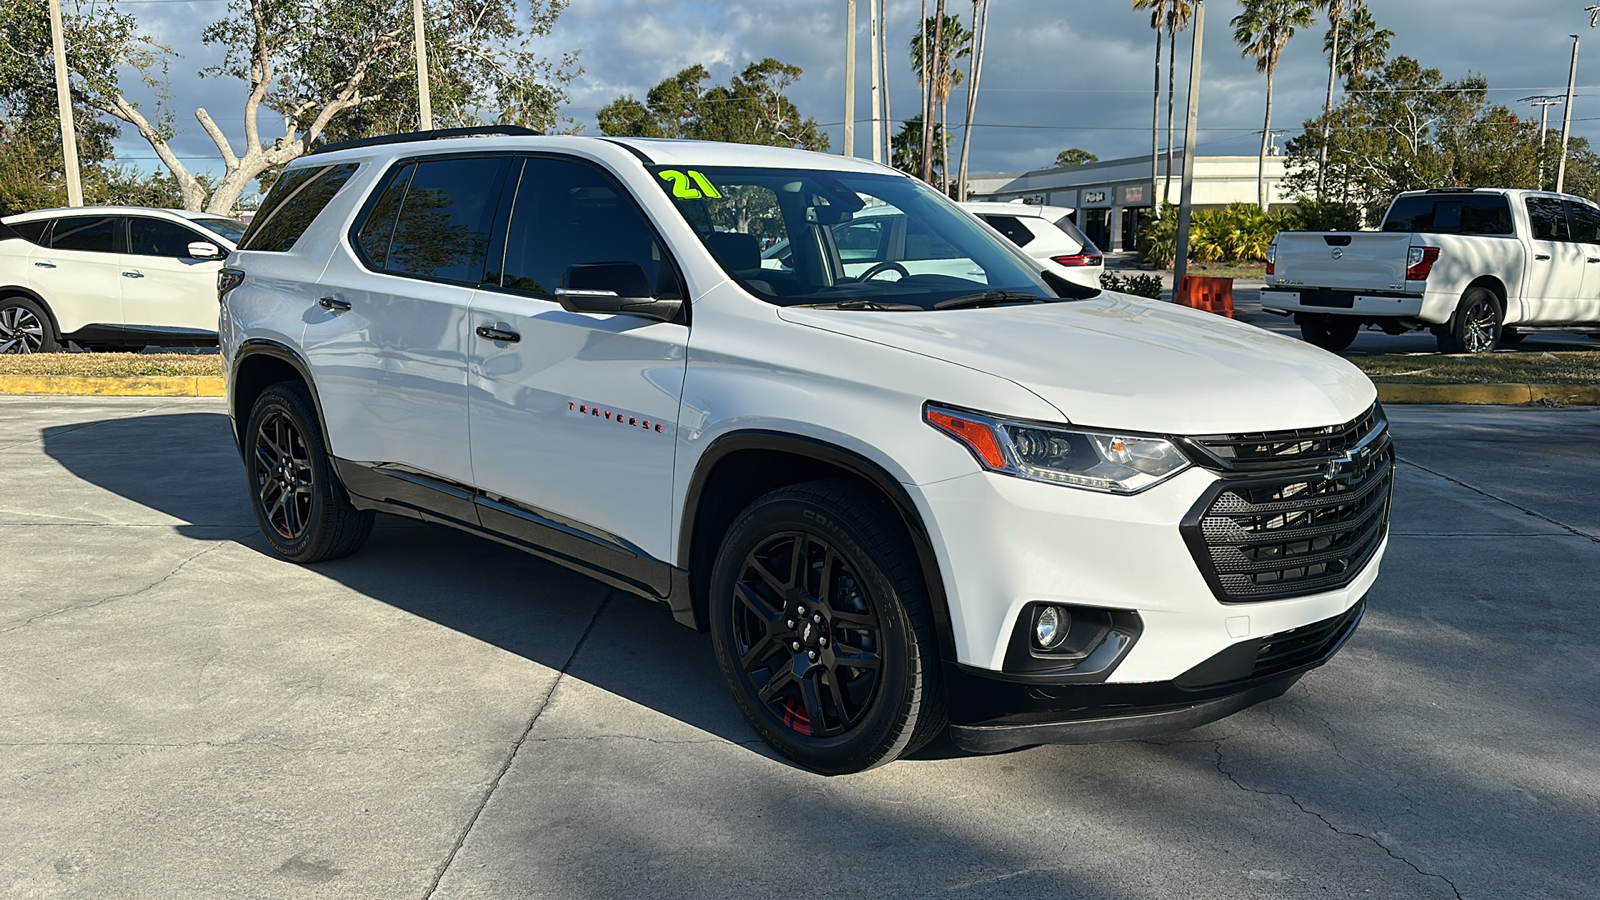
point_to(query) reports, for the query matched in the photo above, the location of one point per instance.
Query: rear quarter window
(1488, 214)
(1011, 227)
(32, 232)
(295, 201)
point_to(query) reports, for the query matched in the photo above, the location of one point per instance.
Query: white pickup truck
(1478, 267)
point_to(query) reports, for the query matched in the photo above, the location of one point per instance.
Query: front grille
(1266, 537)
(1306, 645)
(1280, 449)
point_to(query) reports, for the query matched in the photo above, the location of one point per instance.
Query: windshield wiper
(984, 298)
(864, 304)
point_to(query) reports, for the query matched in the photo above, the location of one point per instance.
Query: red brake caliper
(794, 716)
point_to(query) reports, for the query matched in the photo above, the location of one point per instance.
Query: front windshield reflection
(847, 240)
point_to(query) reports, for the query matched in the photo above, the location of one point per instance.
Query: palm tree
(980, 30)
(1335, 9)
(951, 42)
(1361, 45)
(1179, 14)
(1263, 28)
(1158, 16)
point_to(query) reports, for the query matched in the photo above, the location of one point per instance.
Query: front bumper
(991, 712)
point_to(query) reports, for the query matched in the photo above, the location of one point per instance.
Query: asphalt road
(182, 715)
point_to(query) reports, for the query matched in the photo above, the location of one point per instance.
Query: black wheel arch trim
(254, 347)
(834, 455)
(17, 290)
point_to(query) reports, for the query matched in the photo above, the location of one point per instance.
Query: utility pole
(1566, 118)
(1190, 134)
(69, 132)
(883, 52)
(877, 66)
(1544, 102)
(424, 101)
(937, 74)
(850, 77)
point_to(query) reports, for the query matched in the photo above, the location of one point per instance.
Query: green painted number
(683, 189)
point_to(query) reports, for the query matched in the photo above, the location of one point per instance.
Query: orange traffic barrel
(1210, 294)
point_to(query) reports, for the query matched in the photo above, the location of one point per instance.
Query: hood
(1124, 362)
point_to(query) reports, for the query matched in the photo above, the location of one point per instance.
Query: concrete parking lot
(183, 715)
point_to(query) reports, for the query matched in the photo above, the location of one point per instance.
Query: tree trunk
(1172, 74)
(980, 28)
(927, 92)
(1266, 138)
(1327, 114)
(937, 69)
(944, 146)
(1155, 129)
(883, 55)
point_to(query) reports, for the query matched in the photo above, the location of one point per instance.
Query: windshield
(229, 230)
(868, 241)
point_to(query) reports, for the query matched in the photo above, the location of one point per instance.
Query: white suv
(110, 276)
(1047, 234)
(1034, 511)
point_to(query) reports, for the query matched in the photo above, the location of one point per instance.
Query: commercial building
(1113, 197)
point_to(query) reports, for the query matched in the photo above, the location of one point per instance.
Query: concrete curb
(1510, 394)
(151, 386)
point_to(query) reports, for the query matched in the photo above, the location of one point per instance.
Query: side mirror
(204, 250)
(616, 288)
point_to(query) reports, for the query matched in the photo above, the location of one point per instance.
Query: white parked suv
(110, 276)
(1478, 267)
(1034, 511)
(1047, 234)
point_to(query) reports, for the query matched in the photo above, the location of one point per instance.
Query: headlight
(1096, 460)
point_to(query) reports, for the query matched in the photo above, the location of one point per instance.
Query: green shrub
(1238, 233)
(1137, 285)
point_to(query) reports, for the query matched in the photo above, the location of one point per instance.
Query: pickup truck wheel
(821, 627)
(1331, 333)
(1475, 328)
(24, 327)
(302, 510)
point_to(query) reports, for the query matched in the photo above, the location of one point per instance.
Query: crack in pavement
(472, 821)
(1217, 748)
(123, 596)
(1477, 490)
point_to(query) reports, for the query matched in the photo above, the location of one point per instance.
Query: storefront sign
(1133, 195)
(1094, 196)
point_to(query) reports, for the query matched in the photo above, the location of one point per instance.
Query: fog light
(1050, 627)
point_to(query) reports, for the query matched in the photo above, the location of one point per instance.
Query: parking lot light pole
(424, 101)
(69, 131)
(1566, 118)
(1190, 135)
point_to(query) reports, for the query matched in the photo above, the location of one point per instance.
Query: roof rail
(1451, 190)
(434, 135)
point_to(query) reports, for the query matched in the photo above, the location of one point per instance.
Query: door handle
(333, 304)
(132, 274)
(1541, 256)
(45, 265)
(1594, 259)
(491, 333)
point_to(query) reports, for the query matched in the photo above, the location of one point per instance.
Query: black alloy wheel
(806, 636)
(303, 511)
(822, 629)
(282, 475)
(24, 328)
(1476, 326)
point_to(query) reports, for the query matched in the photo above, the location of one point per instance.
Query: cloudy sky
(1058, 74)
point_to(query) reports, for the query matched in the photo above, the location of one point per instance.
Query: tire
(1331, 333)
(1510, 337)
(25, 327)
(1476, 326)
(302, 509)
(787, 671)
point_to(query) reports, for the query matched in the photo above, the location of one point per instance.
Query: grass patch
(1501, 367)
(112, 365)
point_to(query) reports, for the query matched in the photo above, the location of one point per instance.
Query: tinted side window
(1549, 221)
(155, 237)
(1012, 228)
(1450, 214)
(33, 232)
(376, 228)
(293, 204)
(442, 229)
(96, 234)
(568, 214)
(1585, 221)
